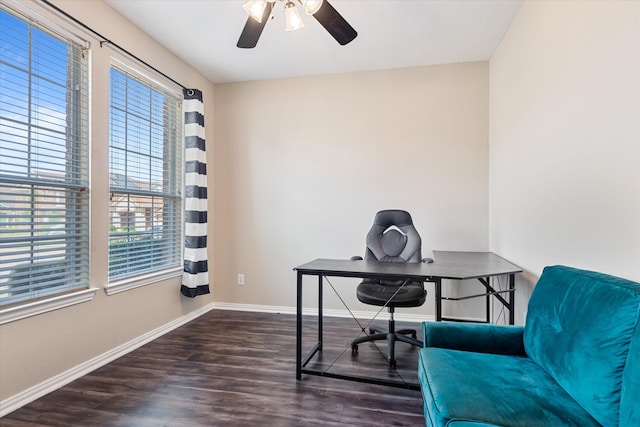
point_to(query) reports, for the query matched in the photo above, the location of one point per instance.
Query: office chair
(392, 238)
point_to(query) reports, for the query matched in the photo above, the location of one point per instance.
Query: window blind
(145, 172)
(44, 219)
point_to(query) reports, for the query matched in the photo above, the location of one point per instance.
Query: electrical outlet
(240, 279)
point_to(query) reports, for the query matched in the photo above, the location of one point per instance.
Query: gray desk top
(446, 265)
(348, 268)
(470, 265)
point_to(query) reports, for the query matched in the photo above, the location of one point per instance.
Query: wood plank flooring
(232, 368)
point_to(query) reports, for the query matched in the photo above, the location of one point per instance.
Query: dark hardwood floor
(231, 368)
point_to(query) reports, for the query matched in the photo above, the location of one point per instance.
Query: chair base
(391, 336)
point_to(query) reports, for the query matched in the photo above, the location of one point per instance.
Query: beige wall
(303, 164)
(38, 348)
(565, 138)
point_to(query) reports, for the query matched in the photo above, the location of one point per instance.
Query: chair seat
(373, 292)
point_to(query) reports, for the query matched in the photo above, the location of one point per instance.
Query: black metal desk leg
(488, 300)
(512, 299)
(299, 328)
(438, 283)
(320, 308)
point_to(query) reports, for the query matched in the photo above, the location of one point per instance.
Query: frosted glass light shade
(255, 8)
(312, 6)
(292, 19)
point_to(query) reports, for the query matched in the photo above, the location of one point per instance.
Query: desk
(474, 265)
(447, 265)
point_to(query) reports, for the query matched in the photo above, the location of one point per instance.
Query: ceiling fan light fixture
(292, 19)
(321, 10)
(311, 6)
(255, 8)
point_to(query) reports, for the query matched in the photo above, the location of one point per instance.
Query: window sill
(138, 281)
(38, 307)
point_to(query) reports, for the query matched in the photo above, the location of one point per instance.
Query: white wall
(565, 138)
(39, 348)
(302, 165)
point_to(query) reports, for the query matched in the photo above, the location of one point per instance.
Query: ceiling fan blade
(252, 29)
(335, 24)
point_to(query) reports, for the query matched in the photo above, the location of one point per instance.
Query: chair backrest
(393, 238)
(583, 329)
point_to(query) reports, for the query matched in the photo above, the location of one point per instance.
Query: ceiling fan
(260, 10)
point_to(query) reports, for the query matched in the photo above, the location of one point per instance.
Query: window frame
(77, 106)
(159, 83)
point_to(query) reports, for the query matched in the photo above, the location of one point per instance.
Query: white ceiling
(391, 34)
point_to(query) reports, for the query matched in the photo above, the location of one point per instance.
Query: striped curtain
(195, 278)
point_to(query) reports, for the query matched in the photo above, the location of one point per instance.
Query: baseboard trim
(33, 393)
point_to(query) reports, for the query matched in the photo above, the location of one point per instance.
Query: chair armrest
(476, 337)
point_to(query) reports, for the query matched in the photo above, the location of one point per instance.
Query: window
(44, 226)
(145, 169)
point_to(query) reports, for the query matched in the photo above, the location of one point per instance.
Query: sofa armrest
(476, 337)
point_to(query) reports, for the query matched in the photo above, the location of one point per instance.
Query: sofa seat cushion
(461, 388)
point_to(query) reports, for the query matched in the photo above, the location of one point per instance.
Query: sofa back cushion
(579, 328)
(629, 406)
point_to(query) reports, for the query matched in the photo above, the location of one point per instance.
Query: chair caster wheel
(392, 364)
(354, 348)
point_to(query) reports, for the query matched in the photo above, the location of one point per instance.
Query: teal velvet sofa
(576, 362)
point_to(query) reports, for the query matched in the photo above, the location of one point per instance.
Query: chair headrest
(391, 217)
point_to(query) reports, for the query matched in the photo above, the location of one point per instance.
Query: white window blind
(145, 169)
(44, 219)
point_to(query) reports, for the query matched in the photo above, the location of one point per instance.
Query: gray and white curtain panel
(195, 279)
